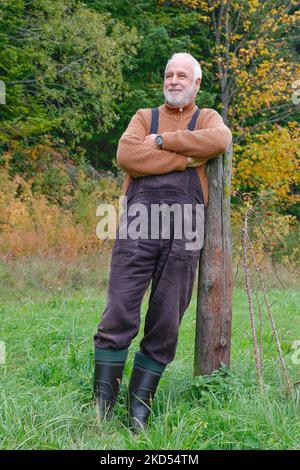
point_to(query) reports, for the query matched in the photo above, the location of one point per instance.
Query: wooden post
(214, 302)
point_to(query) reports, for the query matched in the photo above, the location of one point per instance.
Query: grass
(46, 392)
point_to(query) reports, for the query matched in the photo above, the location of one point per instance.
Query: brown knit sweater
(209, 139)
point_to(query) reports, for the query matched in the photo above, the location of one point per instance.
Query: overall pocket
(180, 254)
(128, 245)
(173, 181)
(186, 247)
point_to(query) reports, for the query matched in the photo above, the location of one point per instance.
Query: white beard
(180, 100)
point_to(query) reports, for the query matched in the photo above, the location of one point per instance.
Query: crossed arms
(139, 156)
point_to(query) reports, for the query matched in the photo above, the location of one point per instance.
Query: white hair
(197, 68)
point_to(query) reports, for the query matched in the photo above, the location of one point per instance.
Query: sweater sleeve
(140, 159)
(211, 140)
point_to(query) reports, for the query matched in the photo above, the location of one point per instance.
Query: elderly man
(163, 152)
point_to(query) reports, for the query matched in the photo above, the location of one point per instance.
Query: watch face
(159, 140)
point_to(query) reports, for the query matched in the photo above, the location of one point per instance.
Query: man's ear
(197, 84)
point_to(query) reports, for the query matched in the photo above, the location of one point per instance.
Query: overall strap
(154, 121)
(192, 123)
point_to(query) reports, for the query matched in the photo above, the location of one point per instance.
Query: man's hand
(193, 162)
(150, 140)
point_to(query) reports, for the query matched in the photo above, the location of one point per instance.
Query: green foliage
(62, 70)
(221, 384)
(76, 72)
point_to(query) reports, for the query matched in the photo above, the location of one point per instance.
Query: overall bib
(135, 262)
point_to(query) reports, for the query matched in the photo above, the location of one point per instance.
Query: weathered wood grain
(214, 302)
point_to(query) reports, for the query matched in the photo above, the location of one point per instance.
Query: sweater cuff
(168, 137)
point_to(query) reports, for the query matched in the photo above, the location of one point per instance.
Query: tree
(62, 66)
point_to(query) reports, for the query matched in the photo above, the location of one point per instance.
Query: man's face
(180, 87)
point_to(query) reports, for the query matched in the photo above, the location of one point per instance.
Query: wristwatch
(159, 140)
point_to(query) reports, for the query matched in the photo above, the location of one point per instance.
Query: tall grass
(46, 391)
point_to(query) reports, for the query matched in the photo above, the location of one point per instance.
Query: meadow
(47, 323)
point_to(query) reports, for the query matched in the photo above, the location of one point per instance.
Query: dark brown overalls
(167, 262)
